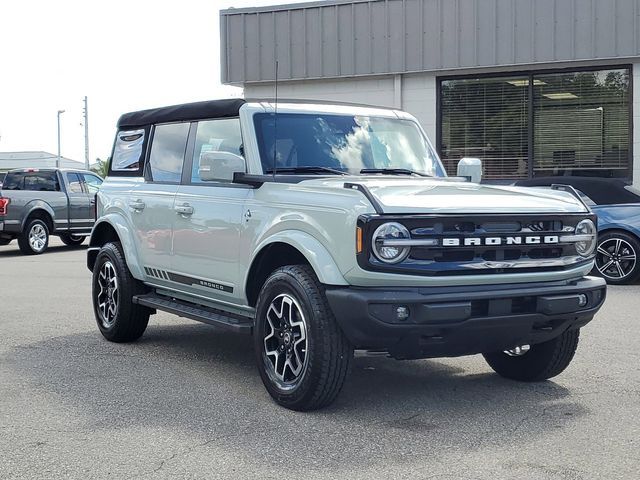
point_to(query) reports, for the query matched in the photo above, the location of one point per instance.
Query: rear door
(208, 217)
(151, 202)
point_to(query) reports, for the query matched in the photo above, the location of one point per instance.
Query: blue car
(617, 205)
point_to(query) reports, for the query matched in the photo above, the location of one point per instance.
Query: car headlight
(586, 228)
(387, 242)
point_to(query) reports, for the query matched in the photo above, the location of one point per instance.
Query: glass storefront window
(486, 118)
(581, 124)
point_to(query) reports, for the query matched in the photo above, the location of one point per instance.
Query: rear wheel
(302, 355)
(537, 362)
(617, 257)
(72, 240)
(35, 238)
(118, 318)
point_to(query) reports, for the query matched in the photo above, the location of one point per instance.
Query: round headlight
(586, 247)
(384, 247)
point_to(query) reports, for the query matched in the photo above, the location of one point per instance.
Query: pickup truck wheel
(538, 362)
(302, 355)
(118, 318)
(72, 240)
(35, 238)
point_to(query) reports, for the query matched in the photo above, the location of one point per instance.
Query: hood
(432, 195)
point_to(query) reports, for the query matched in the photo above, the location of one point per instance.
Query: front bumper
(463, 320)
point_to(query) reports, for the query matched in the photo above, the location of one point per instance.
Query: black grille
(473, 259)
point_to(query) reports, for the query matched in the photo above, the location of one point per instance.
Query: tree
(101, 167)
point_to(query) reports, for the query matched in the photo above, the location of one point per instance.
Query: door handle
(137, 205)
(184, 209)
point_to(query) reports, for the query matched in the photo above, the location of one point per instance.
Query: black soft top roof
(184, 112)
(603, 191)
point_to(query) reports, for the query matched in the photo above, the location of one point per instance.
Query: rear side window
(128, 151)
(75, 185)
(38, 181)
(167, 153)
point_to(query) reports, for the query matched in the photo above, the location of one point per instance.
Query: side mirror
(220, 166)
(470, 168)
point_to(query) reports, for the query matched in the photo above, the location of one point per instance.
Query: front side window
(128, 150)
(75, 185)
(92, 182)
(343, 142)
(167, 152)
(222, 135)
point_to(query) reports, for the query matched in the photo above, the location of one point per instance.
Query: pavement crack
(529, 418)
(183, 453)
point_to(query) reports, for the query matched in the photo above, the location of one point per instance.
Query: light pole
(60, 112)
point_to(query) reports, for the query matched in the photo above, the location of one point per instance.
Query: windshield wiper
(394, 171)
(307, 169)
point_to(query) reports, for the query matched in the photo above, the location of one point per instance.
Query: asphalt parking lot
(186, 401)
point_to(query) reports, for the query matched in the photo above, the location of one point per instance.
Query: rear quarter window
(34, 181)
(129, 152)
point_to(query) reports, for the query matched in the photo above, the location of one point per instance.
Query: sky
(124, 55)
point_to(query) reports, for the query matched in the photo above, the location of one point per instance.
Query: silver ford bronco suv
(320, 229)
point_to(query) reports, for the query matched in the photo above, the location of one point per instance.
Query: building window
(541, 124)
(582, 124)
(486, 118)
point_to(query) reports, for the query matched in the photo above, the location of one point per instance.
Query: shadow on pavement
(195, 379)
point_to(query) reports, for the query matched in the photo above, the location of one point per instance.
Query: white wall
(414, 93)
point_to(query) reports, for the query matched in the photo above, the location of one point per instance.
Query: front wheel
(72, 240)
(302, 355)
(537, 362)
(118, 318)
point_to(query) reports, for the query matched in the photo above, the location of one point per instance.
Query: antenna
(275, 128)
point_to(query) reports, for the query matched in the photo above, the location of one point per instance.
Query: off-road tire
(541, 362)
(328, 352)
(129, 320)
(71, 240)
(23, 239)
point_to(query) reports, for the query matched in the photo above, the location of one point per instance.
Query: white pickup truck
(320, 229)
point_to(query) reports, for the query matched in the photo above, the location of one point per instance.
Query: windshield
(343, 142)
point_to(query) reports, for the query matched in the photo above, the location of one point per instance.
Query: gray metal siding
(361, 37)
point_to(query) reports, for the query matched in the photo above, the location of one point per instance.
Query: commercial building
(11, 160)
(533, 87)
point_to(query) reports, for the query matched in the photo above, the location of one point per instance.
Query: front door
(81, 216)
(208, 218)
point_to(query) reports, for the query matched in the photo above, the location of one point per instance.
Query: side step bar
(199, 313)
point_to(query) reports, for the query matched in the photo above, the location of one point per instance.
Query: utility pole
(60, 112)
(86, 133)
